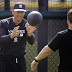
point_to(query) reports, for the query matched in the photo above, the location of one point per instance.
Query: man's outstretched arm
(43, 53)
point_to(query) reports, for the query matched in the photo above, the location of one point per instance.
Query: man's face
(18, 15)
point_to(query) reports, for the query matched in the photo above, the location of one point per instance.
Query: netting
(53, 5)
(54, 25)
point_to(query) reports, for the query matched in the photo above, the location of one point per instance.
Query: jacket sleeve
(31, 39)
(4, 36)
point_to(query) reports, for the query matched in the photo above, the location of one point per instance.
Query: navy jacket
(15, 46)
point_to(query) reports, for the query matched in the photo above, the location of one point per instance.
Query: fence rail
(46, 15)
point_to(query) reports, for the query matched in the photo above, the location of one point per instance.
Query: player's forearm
(44, 53)
(31, 39)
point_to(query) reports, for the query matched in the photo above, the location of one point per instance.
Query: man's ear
(12, 11)
(67, 19)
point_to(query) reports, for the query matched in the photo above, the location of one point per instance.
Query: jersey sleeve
(31, 39)
(4, 36)
(54, 44)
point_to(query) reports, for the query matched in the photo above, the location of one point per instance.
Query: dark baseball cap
(19, 6)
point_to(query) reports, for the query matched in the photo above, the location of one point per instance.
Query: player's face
(18, 15)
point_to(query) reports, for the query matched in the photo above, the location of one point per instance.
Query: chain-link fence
(53, 5)
(54, 25)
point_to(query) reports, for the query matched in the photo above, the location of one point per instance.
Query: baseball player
(14, 33)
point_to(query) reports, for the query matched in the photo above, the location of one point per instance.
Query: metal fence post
(43, 5)
(7, 5)
(43, 36)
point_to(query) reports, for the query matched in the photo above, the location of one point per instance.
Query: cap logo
(20, 6)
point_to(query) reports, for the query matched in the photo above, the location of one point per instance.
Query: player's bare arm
(44, 53)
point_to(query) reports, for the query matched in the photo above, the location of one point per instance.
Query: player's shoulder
(6, 20)
(24, 20)
(63, 32)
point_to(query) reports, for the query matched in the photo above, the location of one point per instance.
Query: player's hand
(30, 29)
(15, 32)
(34, 65)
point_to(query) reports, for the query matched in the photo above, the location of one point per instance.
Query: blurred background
(54, 19)
(53, 5)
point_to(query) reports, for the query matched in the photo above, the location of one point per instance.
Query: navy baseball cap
(19, 6)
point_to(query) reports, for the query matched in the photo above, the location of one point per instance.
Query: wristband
(36, 60)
